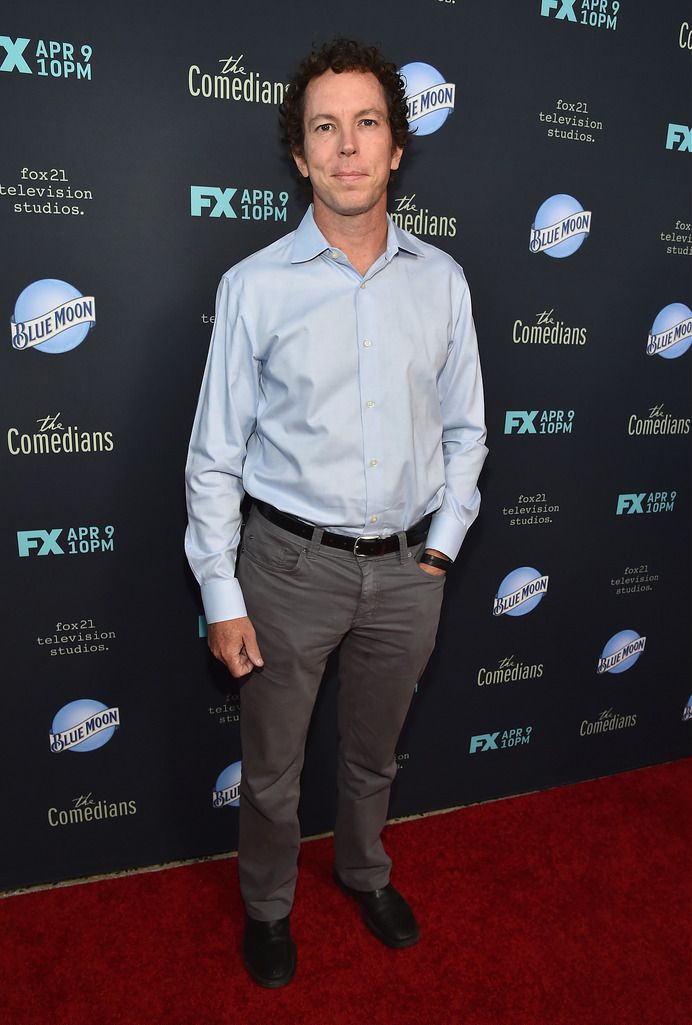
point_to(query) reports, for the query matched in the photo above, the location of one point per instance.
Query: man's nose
(348, 144)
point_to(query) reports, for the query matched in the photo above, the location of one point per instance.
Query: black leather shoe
(386, 914)
(269, 952)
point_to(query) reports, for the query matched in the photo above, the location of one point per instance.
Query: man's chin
(354, 207)
(354, 211)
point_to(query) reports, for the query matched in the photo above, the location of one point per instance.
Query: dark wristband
(433, 560)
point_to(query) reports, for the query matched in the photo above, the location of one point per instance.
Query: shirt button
(367, 343)
(369, 403)
(363, 285)
(373, 519)
(373, 462)
(334, 253)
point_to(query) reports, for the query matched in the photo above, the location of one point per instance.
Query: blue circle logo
(671, 332)
(560, 226)
(520, 592)
(621, 652)
(52, 316)
(429, 99)
(83, 725)
(227, 787)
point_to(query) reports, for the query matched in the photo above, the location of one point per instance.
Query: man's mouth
(349, 176)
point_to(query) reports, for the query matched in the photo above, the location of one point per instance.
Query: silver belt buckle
(363, 537)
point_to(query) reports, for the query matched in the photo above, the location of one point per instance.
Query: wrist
(431, 557)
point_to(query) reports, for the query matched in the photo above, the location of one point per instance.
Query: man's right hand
(234, 643)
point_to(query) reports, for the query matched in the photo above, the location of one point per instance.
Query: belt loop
(403, 547)
(316, 540)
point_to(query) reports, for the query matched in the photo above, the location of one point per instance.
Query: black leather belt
(357, 545)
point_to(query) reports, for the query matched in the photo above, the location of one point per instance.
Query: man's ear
(300, 163)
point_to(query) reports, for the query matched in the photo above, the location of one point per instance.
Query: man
(343, 393)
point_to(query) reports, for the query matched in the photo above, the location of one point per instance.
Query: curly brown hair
(343, 55)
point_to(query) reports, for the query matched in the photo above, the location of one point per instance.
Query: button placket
(370, 394)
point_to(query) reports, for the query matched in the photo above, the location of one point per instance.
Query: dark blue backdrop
(131, 126)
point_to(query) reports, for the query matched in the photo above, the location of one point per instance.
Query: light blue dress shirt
(353, 402)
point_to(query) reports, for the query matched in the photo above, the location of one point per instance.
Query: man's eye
(368, 121)
(323, 128)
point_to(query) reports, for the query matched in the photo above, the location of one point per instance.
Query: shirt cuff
(446, 535)
(222, 599)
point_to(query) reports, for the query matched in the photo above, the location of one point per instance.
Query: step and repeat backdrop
(552, 159)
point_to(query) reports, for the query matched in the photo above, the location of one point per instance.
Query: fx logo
(630, 504)
(484, 742)
(566, 9)
(203, 196)
(29, 539)
(679, 137)
(522, 419)
(14, 48)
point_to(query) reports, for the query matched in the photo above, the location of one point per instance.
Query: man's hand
(234, 643)
(433, 570)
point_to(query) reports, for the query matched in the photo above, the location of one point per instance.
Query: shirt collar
(309, 242)
(397, 238)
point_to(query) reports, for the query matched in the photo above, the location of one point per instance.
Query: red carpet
(569, 907)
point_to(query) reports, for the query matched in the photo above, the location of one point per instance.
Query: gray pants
(304, 600)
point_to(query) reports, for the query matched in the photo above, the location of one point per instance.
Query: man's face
(347, 150)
